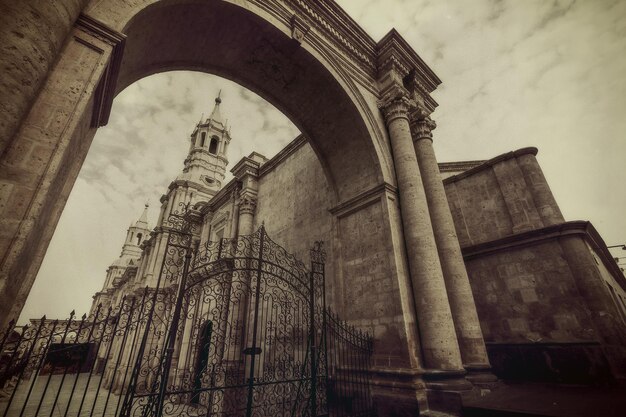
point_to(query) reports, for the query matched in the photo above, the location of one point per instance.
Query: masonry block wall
(542, 286)
(295, 204)
(293, 200)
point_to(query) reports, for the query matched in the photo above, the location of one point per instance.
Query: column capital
(422, 126)
(395, 103)
(247, 203)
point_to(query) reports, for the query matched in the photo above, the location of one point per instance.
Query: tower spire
(143, 220)
(216, 116)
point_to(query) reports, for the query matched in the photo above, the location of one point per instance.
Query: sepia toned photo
(280, 208)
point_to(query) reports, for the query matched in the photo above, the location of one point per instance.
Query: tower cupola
(206, 162)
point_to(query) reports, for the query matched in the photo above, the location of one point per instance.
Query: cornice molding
(491, 162)
(338, 27)
(245, 166)
(284, 153)
(458, 165)
(363, 200)
(397, 60)
(579, 228)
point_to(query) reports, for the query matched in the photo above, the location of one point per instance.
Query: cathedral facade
(532, 275)
(458, 281)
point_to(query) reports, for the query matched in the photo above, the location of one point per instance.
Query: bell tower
(206, 162)
(204, 168)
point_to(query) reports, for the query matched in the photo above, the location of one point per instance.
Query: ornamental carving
(422, 127)
(299, 28)
(247, 205)
(395, 103)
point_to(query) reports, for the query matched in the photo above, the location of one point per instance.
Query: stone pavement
(526, 399)
(41, 400)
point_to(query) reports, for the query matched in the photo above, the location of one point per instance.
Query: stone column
(247, 206)
(440, 348)
(462, 306)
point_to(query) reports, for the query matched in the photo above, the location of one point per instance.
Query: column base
(444, 390)
(398, 392)
(446, 380)
(480, 375)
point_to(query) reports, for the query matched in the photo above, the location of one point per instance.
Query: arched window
(139, 238)
(203, 140)
(213, 146)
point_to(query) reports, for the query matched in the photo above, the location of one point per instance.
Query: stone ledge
(491, 162)
(580, 228)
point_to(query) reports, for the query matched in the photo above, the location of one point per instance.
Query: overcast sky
(550, 74)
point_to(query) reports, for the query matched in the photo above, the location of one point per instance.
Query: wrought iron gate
(234, 328)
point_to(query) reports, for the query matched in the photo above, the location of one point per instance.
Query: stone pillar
(440, 349)
(32, 33)
(39, 166)
(247, 206)
(544, 200)
(462, 306)
(247, 173)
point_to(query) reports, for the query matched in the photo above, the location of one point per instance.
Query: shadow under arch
(230, 41)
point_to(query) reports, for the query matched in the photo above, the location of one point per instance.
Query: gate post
(318, 306)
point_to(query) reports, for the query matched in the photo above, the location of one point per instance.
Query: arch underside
(226, 40)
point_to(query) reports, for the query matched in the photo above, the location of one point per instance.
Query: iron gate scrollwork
(236, 327)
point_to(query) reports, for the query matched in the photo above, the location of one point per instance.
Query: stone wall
(362, 267)
(293, 201)
(528, 295)
(503, 196)
(532, 292)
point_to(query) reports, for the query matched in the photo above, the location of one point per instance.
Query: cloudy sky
(550, 74)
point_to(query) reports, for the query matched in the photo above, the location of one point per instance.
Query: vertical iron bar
(104, 324)
(30, 351)
(106, 359)
(132, 351)
(171, 338)
(93, 325)
(255, 324)
(120, 350)
(130, 394)
(313, 347)
(69, 322)
(41, 359)
(56, 399)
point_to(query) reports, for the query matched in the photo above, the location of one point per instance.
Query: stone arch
(263, 48)
(246, 45)
(308, 59)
